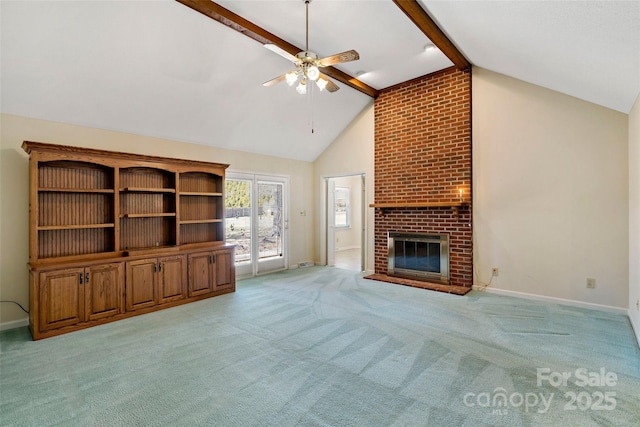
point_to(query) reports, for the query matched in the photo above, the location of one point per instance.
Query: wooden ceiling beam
(423, 21)
(251, 30)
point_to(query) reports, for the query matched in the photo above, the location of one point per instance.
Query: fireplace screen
(419, 256)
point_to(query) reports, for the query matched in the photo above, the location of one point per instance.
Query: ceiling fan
(308, 65)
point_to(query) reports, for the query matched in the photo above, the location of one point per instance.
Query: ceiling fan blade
(338, 58)
(274, 81)
(277, 49)
(331, 86)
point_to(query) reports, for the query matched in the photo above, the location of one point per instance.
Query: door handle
(81, 278)
(160, 267)
(86, 278)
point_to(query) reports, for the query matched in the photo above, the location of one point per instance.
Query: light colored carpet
(349, 259)
(325, 347)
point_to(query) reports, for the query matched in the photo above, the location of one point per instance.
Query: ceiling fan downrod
(306, 46)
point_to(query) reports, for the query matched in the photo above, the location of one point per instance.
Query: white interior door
(363, 222)
(331, 222)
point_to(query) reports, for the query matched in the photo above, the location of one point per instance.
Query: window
(342, 208)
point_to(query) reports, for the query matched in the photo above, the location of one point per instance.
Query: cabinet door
(172, 273)
(200, 273)
(103, 291)
(224, 272)
(141, 289)
(61, 298)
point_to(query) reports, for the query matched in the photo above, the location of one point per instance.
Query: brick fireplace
(423, 166)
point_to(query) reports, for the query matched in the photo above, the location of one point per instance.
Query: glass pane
(270, 219)
(421, 256)
(432, 256)
(238, 217)
(342, 207)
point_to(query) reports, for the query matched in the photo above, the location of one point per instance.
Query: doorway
(257, 222)
(346, 222)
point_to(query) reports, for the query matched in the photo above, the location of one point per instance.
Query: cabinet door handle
(213, 259)
(81, 278)
(86, 278)
(160, 267)
(155, 267)
(210, 259)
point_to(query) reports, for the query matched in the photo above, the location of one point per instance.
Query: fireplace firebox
(419, 256)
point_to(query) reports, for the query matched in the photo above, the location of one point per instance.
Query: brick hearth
(423, 155)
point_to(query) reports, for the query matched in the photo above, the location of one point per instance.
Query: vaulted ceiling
(163, 69)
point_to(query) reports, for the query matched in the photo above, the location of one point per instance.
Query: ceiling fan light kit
(322, 83)
(291, 77)
(308, 65)
(313, 73)
(302, 87)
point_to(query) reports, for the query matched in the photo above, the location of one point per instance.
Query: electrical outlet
(495, 271)
(591, 282)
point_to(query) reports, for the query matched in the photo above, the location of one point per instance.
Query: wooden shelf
(198, 193)
(77, 190)
(147, 190)
(74, 227)
(418, 205)
(73, 260)
(150, 250)
(200, 221)
(147, 215)
(399, 205)
(206, 245)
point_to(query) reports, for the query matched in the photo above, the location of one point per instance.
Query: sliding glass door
(256, 222)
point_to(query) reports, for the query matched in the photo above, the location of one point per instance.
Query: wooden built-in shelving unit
(115, 234)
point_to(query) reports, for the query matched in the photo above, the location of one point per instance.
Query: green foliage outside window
(237, 194)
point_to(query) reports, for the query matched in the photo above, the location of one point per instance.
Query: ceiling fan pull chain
(310, 102)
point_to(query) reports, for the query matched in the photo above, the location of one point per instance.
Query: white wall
(351, 153)
(14, 181)
(550, 189)
(634, 217)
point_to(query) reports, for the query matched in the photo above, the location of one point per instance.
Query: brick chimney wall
(423, 154)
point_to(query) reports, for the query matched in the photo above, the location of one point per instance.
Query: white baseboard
(635, 327)
(564, 301)
(14, 324)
